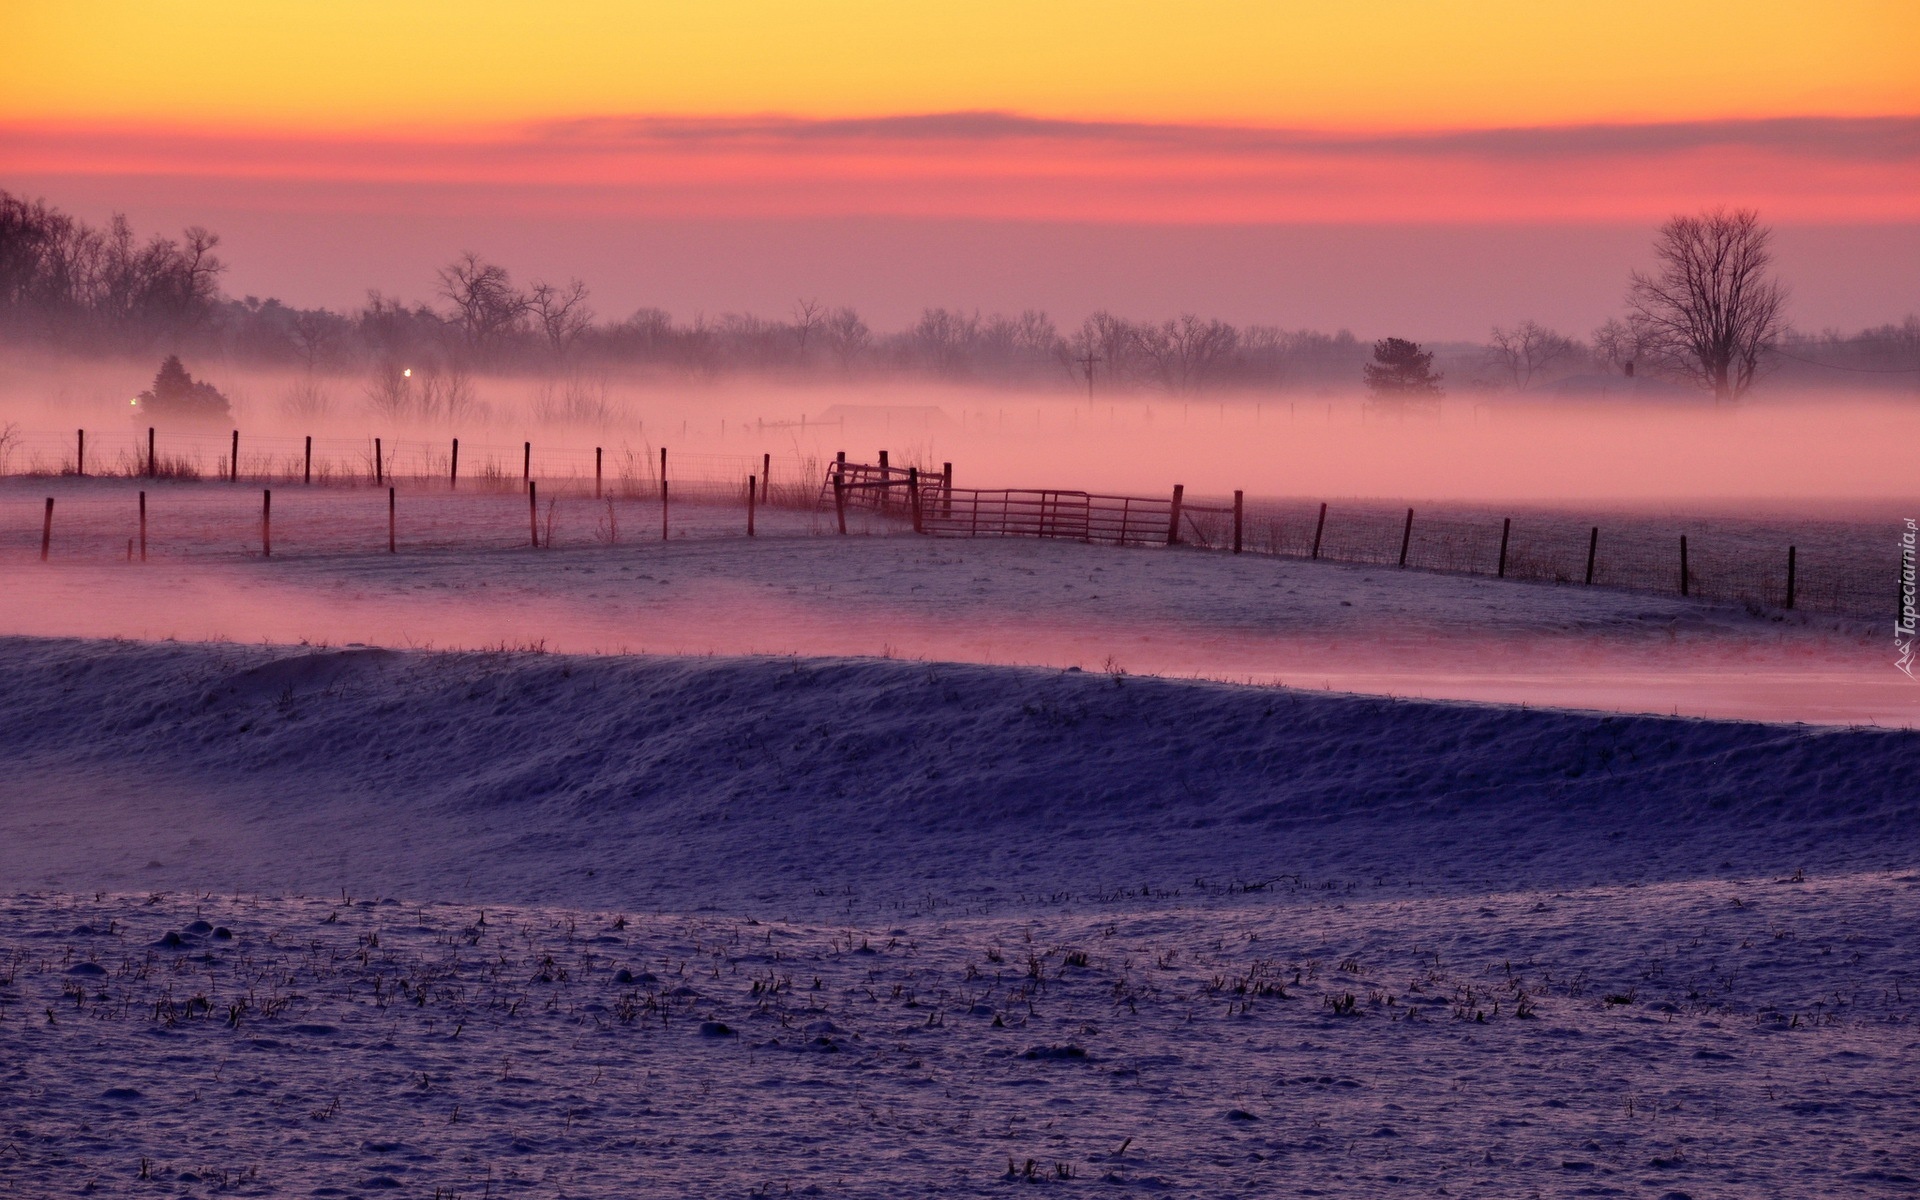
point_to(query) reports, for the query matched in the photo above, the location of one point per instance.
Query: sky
(1434, 166)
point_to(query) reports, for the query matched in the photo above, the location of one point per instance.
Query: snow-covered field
(1742, 1037)
(465, 577)
(891, 868)
(889, 927)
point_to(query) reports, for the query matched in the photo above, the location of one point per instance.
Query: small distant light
(135, 402)
(408, 372)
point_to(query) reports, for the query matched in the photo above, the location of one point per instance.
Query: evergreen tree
(1402, 371)
(177, 394)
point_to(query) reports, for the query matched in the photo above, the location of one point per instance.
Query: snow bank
(787, 787)
(338, 922)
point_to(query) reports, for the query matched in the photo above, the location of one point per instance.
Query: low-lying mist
(1779, 450)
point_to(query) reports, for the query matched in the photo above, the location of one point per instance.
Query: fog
(1781, 451)
(1830, 471)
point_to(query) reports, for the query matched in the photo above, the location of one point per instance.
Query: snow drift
(788, 786)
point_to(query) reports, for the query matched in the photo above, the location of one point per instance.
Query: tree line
(67, 283)
(1711, 313)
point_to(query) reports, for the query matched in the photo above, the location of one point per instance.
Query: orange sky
(1345, 64)
(439, 122)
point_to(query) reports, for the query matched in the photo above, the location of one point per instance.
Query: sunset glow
(525, 130)
(1378, 64)
(999, 167)
(868, 598)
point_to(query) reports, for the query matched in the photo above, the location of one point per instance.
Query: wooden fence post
(1406, 538)
(1319, 527)
(453, 472)
(1683, 564)
(663, 493)
(1506, 530)
(526, 467)
(1790, 579)
(1593, 549)
(1238, 507)
(749, 506)
(392, 522)
(46, 531)
(151, 467)
(913, 497)
(533, 512)
(143, 527)
(766, 474)
(840, 499)
(379, 468)
(306, 476)
(266, 523)
(1173, 514)
(80, 455)
(946, 490)
(596, 472)
(233, 461)
(886, 492)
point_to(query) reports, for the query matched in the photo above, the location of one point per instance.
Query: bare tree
(562, 313)
(389, 391)
(1185, 353)
(848, 336)
(446, 395)
(485, 304)
(1111, 340)
(1528, 348)
(313, 333)
(1621, 344)
(943, 339)
(1711, 308)
(808, 315)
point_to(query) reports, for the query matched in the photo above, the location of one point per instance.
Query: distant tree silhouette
(848, 337)
(1527, 349)
(486, 306)
(561, 312)
(1711, 308)
(1621, 344)
(179, 396)
(1401, 375)
(68, 282)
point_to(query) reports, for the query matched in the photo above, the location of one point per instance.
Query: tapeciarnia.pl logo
(1903, 629)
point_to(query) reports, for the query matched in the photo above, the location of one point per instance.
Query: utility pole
(1086, 362)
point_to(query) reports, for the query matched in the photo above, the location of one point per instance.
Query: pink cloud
(998, 166)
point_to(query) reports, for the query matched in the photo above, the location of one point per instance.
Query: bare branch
(1711, 308)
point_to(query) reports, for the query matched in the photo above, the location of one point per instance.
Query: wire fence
(1722, 560)
(1849, 570)
(1841, 567)
(187, 455)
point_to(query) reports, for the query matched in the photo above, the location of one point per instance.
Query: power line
(1838, 367)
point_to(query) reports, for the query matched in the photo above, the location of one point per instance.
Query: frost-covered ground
(1734, 1039)
(906, 928)
(465, 578)
(825, 894)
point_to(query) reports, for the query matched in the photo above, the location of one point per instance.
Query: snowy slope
(349, 923)
(627, 781)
